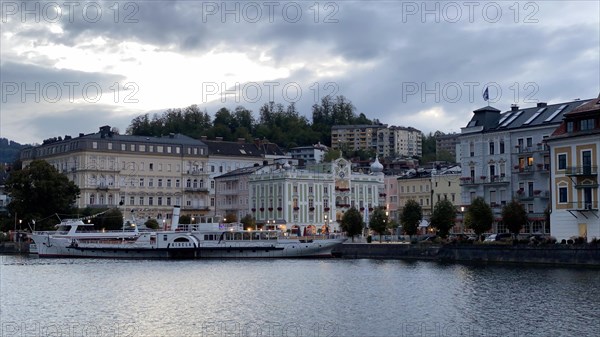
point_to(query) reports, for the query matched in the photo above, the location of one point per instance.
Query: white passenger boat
(73, 238)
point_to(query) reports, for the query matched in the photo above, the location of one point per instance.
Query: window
(160, 183)
(159, 201)
(141, 201)
(529, 142)
(177, 183)
(141, 182)
(151, 166)
(110, 146)
(123, 147)
(570, 127)
(151, 182)
(131, 201)
(491, 147)
(562, 161)
(142, 148)
(586, 124)
(94, 145)
(562, 194)
(168, 201)
(472, 149)
(212, 184)
(529, 161)
(150, 201)
(501, 147)
(492, 171)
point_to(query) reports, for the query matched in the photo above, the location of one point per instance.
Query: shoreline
(554, 255)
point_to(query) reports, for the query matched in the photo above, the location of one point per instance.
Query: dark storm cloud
(383, 51)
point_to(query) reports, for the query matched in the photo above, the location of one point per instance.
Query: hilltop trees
(38, 191)
(283, 125)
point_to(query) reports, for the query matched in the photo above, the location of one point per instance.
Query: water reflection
(295, 298)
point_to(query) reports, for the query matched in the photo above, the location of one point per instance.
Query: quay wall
(581, 255)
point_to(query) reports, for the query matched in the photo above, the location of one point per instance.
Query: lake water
(329, 297)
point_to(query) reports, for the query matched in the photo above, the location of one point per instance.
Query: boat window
(164, 237)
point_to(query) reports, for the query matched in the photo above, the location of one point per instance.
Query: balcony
(537, 194)
(582, 171)
(465, 181)
(496, 180)
(196, 189)
(531, 149)
(583, 206)
(527, 169)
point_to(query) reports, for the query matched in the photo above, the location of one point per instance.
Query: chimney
(541, 104)
(514, 107)
(81, 134)
(104, 131)
(171, 135)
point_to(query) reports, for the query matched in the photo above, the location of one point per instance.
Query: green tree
(111, 219)
(514, 217)
(379, 222)
(443, 217)
(38, 191)
(152, 224)
(411, 216)
(331, 155)
(248, 221)
(352, 223)
(479, 216)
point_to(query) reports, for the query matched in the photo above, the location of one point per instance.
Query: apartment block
(504, 157)
(382, 140)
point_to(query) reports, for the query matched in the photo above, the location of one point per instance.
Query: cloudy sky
(72, 67)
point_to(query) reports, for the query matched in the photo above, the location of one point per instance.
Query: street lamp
(462, 225)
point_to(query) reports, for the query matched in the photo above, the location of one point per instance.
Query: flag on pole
(486, 95)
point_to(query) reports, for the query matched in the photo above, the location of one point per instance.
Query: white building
(309, 201)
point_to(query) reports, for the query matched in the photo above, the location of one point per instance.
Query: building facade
(147, 175)
(227, 156)
(309, 154)
(574, 161)
(385, 142)
(503, 157)
(313, 201)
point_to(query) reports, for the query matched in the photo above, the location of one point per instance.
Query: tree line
(282, 125)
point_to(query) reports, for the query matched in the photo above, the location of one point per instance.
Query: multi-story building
(392, 197)
(232, 193)
(417, 187)
(355, 137)
(383, 141)
(145, 174)
(309, 154)
(4, 198)
(447, 143)
(503, 157)
(574, 161)
(225, 157)
(313, 200)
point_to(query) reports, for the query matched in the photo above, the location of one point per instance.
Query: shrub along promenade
(545, 254)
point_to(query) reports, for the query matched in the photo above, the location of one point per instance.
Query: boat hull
(48, 246)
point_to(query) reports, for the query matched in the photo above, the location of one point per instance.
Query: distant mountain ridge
(9, 150)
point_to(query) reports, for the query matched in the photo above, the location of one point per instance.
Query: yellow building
(575, 158)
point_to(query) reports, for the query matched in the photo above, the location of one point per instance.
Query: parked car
(498, 237)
